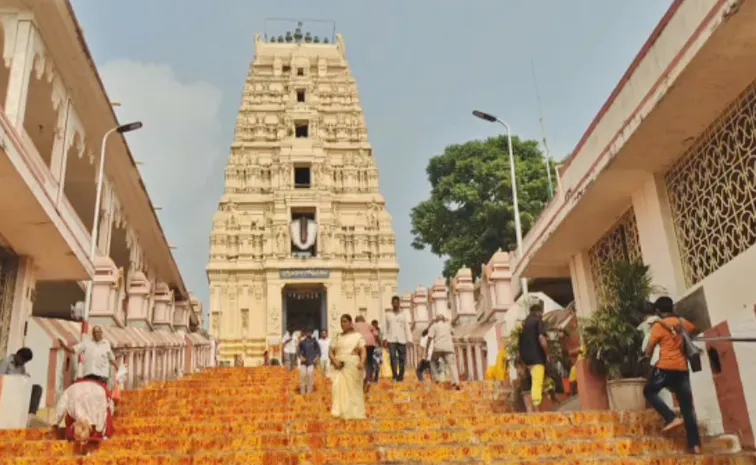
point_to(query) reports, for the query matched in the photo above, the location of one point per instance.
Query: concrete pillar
(656, 232)
(440, 299)
(464, 294)
(105, 292)
(591, 387)
(501, 279)
(582, 284)
(420, 307)
(139, 290)
(21, 309)
(479, 369)
(162, 316)
(21, 68)
(59, 154)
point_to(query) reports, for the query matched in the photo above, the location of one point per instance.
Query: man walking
(534, 349)
(370, 334)
(98, 355)
(378, 352)
(290, 344)
(309, 356)
(425, 349)
(398, 334)
(671, 372)
(325, 346)
(441, 348)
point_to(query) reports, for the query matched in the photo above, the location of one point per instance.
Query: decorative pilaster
(440, 299)
(181, 316)
(20, 72)
(139, 289)
(162, 317)
(106, 302)
(23, 302)
(500, 277)
(464, 295)
(420, 307)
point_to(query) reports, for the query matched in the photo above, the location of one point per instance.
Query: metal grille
(620, 243)
(712, 191)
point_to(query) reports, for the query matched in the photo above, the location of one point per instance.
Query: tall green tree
(470, 213)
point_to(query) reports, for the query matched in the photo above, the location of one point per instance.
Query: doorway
(304, 307)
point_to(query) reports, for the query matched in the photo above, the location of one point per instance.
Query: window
(302, 178)
(287, 69)
(301, 130)
(300, 71)
(301, 95)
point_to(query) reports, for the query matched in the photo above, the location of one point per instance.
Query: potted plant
(611, 338)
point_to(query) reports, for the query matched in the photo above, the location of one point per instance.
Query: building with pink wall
(666, 173)
(54, 113)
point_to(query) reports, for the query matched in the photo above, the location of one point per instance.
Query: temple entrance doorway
(304, 307)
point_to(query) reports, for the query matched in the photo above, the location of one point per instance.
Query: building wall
(696, 229)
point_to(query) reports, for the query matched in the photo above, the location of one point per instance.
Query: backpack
(692, 352)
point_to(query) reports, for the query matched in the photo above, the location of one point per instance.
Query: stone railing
(149, 355)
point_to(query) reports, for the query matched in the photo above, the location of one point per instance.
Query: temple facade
(302, 234)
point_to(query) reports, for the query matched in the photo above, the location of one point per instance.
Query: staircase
(254, 416)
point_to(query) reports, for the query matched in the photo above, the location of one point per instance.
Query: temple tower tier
(302, 234)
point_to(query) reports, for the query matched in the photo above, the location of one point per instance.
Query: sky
(421, 67)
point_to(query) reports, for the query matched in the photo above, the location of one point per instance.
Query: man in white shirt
(398, 334)
(424, 364)
(325, 347)
(98, 356)
(290, 347)
(441, 336)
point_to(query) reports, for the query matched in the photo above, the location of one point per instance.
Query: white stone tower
(302, 234)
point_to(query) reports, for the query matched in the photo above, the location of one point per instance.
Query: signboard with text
(305, 274)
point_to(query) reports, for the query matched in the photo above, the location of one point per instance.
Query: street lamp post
(518, 227)
(122, 129)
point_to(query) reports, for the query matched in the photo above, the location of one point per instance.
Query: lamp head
(129, 127)
(484, 116)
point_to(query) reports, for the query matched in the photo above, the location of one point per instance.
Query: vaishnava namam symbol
(304, 232)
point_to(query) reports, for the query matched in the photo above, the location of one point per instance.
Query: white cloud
(181, 148)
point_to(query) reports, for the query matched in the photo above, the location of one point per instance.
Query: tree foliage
(470, 214)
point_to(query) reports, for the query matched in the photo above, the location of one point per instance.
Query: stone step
(292, 393)
(389, 410)
(321, 416)
(292, 459)
(256, 441)
(486, 429)
(344, 448)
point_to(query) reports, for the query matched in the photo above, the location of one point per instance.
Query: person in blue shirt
(309, 356)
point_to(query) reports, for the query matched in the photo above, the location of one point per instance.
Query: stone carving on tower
(302, 221)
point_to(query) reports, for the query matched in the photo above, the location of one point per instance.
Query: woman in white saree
(348, 354)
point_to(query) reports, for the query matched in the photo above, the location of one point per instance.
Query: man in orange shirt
(671, 372)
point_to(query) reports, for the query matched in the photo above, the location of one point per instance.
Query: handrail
(724, 339)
